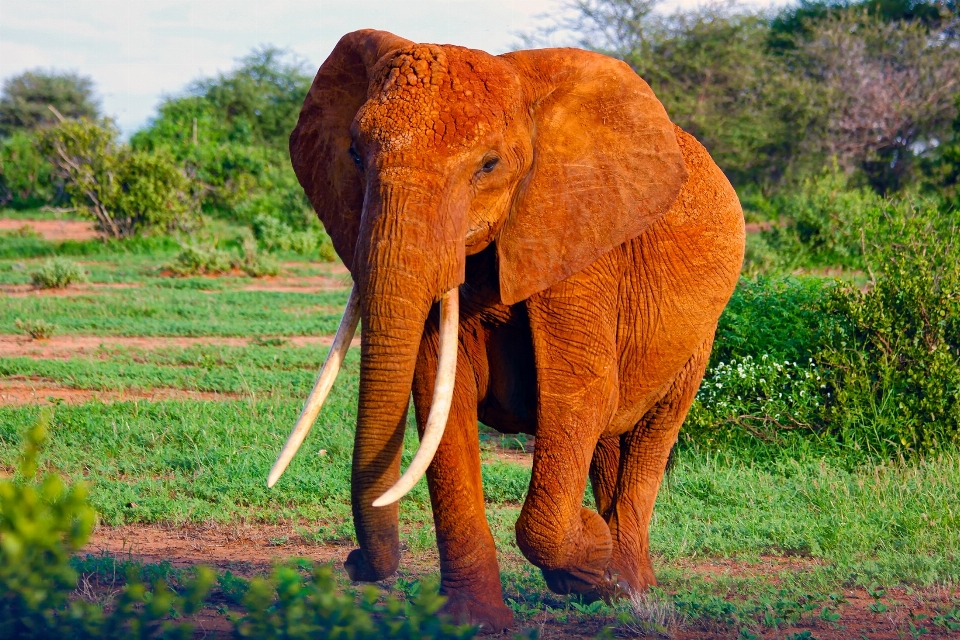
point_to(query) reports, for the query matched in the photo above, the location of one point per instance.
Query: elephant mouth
(439, 409)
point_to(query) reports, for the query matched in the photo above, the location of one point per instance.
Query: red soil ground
(54, 229)
(70, 346)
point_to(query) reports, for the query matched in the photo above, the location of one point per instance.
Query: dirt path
(54, 229)
(18, 392)
(69, 346)
(255, 547)
(27, 290)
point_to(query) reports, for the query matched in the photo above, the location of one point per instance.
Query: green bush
(57, 273)
(274, 234)
(763, 398)
(823, 223)
(198, 259)
(779, 318)
(26, 176)
(285, 605)
(894, 350)
(126, 192)
(41, 526)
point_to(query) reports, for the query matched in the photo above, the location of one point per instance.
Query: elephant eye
(490, 164)
(356, 158)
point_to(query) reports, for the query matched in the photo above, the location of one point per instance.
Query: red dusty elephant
(533, 245)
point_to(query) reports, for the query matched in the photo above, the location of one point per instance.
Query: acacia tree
(26, 99)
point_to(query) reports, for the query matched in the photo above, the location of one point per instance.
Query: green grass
(156, 311)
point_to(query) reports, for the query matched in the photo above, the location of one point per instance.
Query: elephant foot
(491, 615)
(360, 570)
(621, 580)
(590, 570)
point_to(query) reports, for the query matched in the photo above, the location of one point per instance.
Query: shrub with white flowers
(761, 397)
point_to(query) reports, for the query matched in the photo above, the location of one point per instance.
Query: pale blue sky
(138, 50)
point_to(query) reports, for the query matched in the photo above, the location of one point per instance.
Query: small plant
(36, 329)
(57, 273)
(652, 613)
(253, 262)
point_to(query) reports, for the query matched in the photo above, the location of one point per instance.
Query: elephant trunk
(403, 273)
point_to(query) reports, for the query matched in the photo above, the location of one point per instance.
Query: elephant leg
(577, 395)
(644, 452)
(469, 573)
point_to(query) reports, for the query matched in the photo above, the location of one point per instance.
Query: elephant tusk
(328, 374)
(442, 398)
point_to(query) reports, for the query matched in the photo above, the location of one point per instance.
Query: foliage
(57, 273)
(199, 259)
(274, 234)
(889, 89)
(777, 318)
(824, 222)
(231, 132)
(196, 259)
(38, 329)
(287, 606)
(943, 169)
(763, 398)
(26, 100)
(126, 192)
(895, 349)
(774, 97)
(26, 177)
(41, 526)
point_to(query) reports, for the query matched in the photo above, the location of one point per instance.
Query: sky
(138, 51)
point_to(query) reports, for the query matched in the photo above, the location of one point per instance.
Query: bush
(763, 398)
(26, 176)
(273, 234)
(287, 606)
(196, 259)
(57, 273)
(824, 223)
(894, 349)
(43, 524)
(780, 318)
(36, 329)
(126, 192)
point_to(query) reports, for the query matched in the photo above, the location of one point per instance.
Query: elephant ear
(606, 165)
(320, 143)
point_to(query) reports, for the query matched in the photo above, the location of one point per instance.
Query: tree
(890, 91)
(26, 100)
(231, 132)
(126, 192)
(711, 69)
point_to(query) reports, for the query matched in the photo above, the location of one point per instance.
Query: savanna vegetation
(814, 489)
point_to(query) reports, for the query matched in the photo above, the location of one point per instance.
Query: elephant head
(416, 156)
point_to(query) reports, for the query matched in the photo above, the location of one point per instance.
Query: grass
(160, 311)
(841, 518)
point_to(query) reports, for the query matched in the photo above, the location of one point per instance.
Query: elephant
(534, 246)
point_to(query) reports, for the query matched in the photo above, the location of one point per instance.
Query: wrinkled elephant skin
(594, 245)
